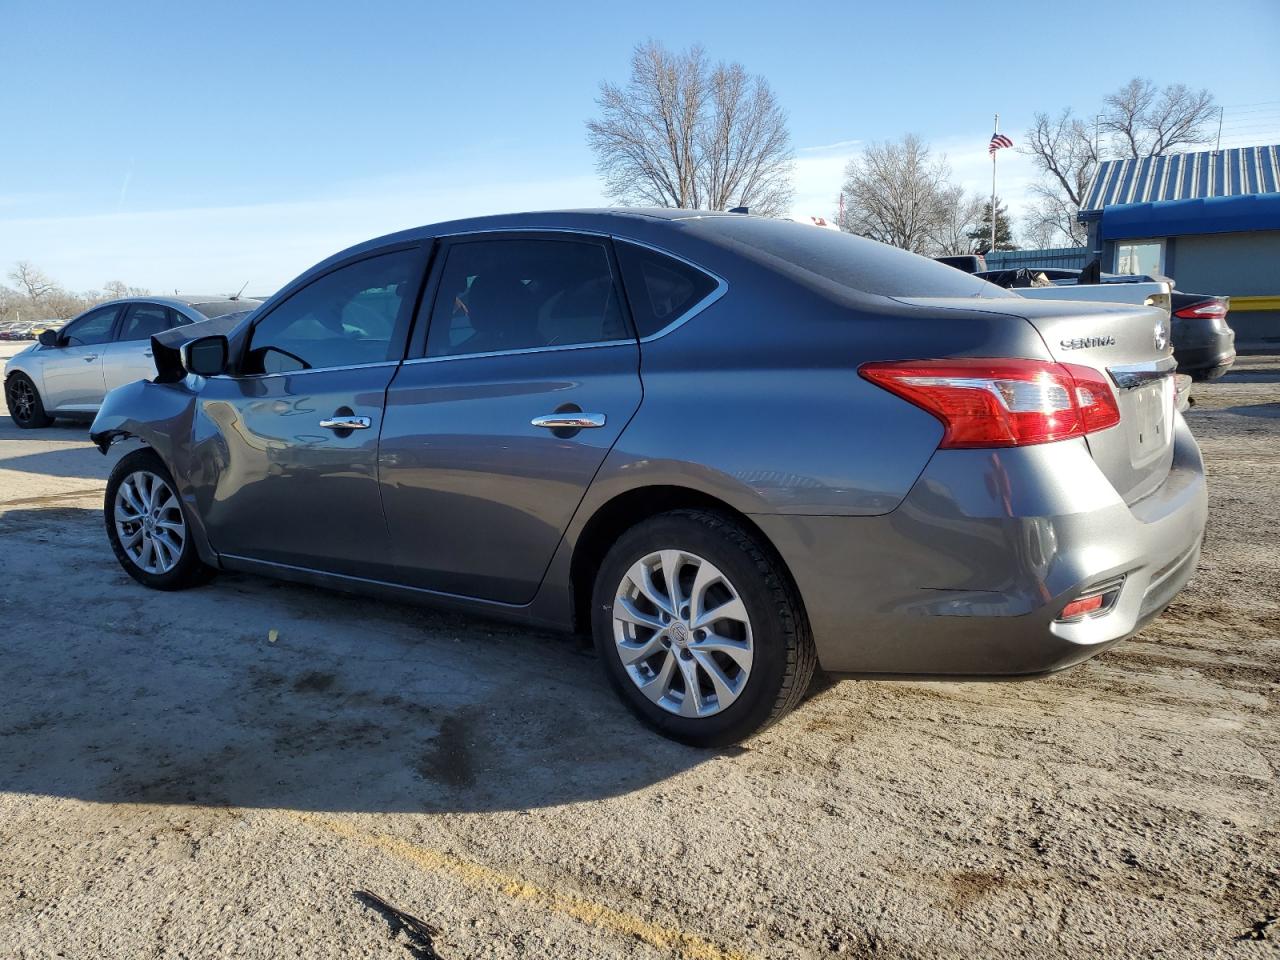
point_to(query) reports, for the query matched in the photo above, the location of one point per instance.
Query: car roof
(180, 300)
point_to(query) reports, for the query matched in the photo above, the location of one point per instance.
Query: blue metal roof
(1184, 176)
(1175, 218)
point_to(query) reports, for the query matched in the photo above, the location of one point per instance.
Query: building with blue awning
(1210, 220)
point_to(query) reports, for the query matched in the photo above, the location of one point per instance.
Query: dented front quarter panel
(163, 416)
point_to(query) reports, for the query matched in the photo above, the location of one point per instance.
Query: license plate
(1150, 407)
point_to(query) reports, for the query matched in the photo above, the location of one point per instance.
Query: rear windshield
(842, 258)
(218, 308)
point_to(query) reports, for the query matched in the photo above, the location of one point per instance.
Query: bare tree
(1145, 121)
(1039, 228)
(115, 289)
(1139, 120)
(33, 281)
(682, 133)
(897, 193)
(960, 215)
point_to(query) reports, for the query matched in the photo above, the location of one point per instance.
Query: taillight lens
(1002, 403)
(1204, 310)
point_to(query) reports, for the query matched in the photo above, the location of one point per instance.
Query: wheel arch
(626, 509)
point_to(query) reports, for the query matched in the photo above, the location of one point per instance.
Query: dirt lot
(175, 784)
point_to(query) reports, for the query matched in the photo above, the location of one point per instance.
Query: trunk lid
(1130, 346)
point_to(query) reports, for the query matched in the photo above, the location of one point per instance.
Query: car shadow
(254, 693)
(1269, 411)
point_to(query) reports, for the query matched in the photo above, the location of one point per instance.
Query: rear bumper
(968, 575)
(1204, 349)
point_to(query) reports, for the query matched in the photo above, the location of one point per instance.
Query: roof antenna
(240, 291)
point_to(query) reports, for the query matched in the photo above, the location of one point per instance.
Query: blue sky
(203, 146)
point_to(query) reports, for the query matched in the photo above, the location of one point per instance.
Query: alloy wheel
(683, 633)
(22, 399)
(149, 522)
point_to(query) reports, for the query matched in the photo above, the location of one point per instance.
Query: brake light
(1002, 403)
(1204, 310)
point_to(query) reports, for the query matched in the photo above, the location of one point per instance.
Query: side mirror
(206, 356)
(50, 338)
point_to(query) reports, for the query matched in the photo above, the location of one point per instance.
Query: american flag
(998, 140)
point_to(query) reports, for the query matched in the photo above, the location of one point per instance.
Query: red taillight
(1002, 403)
(1204, 310)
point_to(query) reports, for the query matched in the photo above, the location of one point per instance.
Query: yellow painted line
(1255, 303)
(479, 877)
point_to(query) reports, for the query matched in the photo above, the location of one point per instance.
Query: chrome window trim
(625, 341)
(722, 287)
(297, 373)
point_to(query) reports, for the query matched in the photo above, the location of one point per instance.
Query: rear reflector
(1078, 608)
(1204, 310)
(1002, 403)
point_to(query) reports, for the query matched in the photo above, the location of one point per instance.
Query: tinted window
(92, 328)
(145, 319)
(517, 294)
(660, 289)
(842, 258)
(346, 317)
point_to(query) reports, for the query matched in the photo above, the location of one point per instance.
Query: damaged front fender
(160, 415)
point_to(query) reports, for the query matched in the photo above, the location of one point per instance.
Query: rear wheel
(699, 629)
(147, 525)
(25, 406)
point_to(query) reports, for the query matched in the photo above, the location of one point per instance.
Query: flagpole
(993, 190)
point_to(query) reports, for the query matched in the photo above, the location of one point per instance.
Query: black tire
(784, 658)
(25, 406)
(189, 570)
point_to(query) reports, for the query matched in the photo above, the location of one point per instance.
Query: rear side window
(146, 319)
(220, 308)
(501, 295)
(345, 318)
(853, 262)
(660, 289)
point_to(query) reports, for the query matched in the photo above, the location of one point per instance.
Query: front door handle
(91, 358)
(347, 423)
(569, 421)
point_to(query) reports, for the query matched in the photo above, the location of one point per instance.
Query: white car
(67, 372)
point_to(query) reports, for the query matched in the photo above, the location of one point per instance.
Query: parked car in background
(1203, 342)
(969, 263)
(731, 448)
(70, 369)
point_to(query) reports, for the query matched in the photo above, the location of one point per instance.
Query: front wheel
(147, 525)
(699, 628)
(25, 406)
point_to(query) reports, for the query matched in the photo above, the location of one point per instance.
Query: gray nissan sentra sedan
(733, 449)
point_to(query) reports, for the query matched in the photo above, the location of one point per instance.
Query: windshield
(854, 262)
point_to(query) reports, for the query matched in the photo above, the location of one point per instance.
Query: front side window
(660, 289)
(91, 328)
(146, 319)
(499, 295)
(345, 318)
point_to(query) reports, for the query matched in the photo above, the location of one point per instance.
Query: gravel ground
(173, 783)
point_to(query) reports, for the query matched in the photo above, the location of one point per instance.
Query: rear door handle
(91, 358)
(347, 423)
(569, 421)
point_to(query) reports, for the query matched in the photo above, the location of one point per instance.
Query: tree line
(684, 132)
(36, 296)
